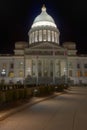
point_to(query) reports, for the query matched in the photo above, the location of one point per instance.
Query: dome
(43, 29)
(44, 19)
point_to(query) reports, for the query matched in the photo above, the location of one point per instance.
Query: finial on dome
(43, 8)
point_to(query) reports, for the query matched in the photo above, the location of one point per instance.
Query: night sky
(16, 18)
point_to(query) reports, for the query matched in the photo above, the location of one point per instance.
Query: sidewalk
(4, 114)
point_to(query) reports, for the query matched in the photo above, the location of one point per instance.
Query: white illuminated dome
(44, 19)
(43, 29)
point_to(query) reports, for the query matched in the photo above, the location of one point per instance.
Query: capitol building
(42, 60)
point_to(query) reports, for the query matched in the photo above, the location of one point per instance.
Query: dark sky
(16, 17)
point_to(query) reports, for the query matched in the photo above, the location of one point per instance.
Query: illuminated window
(49, 36)
(36, 36)
(52, 36)
(21, 74)
(40, 35)
(3, 72)
(79, 73)
(4, 66)
(11, 74)
(44, 35)
(85, 74)
(55, 37)
(21, 64)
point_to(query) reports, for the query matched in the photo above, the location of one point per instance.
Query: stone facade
(42, 60)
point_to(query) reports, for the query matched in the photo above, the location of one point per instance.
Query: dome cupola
(44, 19)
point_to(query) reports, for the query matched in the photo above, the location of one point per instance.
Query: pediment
(45, 48)
(45, 45)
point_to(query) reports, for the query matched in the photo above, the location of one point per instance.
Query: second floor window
(11, 65)
(78, 65)
(85, 66)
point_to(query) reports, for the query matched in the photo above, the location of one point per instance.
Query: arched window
(52, 36)
(55, 37)
(44, 35)
(40, 35)
(49, 36)
(32, 37)
(36, 36)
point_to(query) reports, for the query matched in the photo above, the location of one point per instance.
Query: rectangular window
(3, 72)
(4, 66)
(36, 36)
(79, 73)
(51, 74)
(49, 36)
(70, 64)
(11, 65)
(78, 65)
(11, 74)
(44, 35)
(52, 36)
(40, 35)
(55, 37)
(85, 74)
(70, 73)
(85, 66)
(20, 73)
(32, 41)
